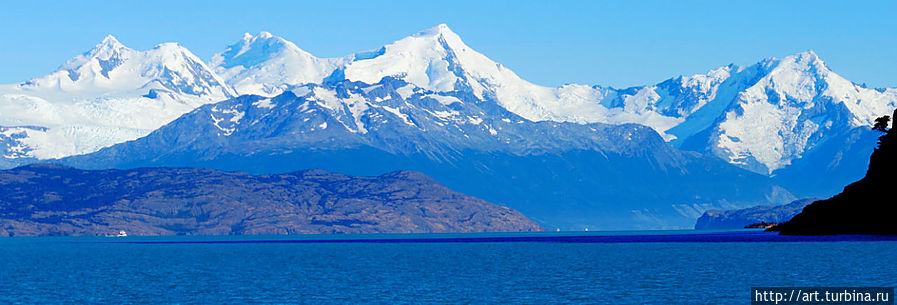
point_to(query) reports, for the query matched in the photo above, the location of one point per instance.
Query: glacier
(108, 95)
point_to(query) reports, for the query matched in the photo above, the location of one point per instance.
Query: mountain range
(568, 175)
(430, 102)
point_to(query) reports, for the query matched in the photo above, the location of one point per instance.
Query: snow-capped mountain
(761, 117)
(437, 59)
(264, 64)
(566, 175)
(110, 66)
(107, 95)
(765, 116)
(434, 59)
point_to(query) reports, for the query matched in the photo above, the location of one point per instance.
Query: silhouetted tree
(881, 124)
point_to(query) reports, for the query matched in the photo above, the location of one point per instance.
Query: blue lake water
(596, 268)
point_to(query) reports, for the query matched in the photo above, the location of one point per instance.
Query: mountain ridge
(104, 96)
(548, 170)
(679, 108)
(739, 219)
(189, 201)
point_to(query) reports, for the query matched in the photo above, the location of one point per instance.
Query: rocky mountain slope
(738, 219)
(567, 175)
(800, 100)
(803, 104)
(767, 117)
(54, 200)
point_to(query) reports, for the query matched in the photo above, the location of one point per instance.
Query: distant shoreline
(521, 237)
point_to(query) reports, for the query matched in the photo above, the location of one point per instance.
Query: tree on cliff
(881, 124)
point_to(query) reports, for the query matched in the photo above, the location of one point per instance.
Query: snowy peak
(693, 92)
(175, 68)
(797, 74)
(265, 64)
(760, 117)
(793, 104)
(109, 40)
(437, 30)
(686, 94)
(255, 49)
(804, 60)
(433, 59)
(804, 65)
(110, 46)
(805, 81)
(105, 96)
(103, 58)
(262, 34)
(808, 57)
(111, 68)
(444, 36)
(437, 59)
(430, 59)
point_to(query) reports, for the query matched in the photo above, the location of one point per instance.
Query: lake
(660, 267)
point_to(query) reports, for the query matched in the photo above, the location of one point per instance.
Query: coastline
(654, 236)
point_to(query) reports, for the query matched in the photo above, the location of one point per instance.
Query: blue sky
(616, 43)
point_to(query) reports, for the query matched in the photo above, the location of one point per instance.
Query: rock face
(864, 207)
(737, 219)
(56, 200)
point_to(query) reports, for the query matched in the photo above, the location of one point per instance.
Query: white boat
(121, 233)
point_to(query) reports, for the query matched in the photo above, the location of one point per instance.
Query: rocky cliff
(864, 207)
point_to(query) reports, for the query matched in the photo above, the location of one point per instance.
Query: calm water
(597, 268)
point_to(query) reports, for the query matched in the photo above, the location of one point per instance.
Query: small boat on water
(121, 233)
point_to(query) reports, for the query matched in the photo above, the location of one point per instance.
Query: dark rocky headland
(868, 206)
(742, 218)
(54, 200)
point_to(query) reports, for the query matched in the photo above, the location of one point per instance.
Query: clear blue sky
(616, 43)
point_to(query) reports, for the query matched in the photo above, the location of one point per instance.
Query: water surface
(600, 268)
